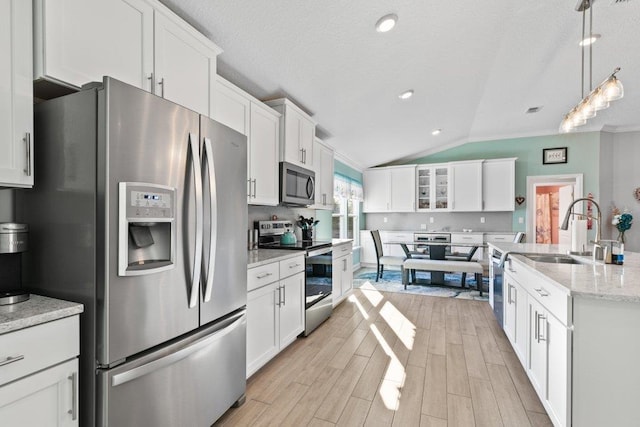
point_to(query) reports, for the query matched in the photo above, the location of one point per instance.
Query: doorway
(549, 198)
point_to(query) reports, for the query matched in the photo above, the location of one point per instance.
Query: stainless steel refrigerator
(139, 212)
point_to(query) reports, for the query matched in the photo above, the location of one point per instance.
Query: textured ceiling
(475, 66)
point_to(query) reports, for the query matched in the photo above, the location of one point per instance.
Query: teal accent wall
(583, 156)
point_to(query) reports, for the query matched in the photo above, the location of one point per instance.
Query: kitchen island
(574, 328)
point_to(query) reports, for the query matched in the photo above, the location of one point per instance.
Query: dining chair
(382, 259)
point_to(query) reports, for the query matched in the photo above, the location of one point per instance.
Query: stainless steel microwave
(297, 185)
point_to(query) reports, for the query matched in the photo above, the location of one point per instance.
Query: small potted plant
(622, 221)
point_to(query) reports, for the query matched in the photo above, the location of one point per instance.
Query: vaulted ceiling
(475, 66)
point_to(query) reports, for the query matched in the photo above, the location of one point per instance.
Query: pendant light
(610, 89)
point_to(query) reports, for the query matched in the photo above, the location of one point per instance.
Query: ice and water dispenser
(147, 228)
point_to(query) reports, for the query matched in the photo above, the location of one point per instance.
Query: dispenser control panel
(148, 201)
(151, 204)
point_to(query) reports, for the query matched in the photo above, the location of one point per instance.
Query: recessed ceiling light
(386, 23)
(436, 132)
(406, 94)
(590, 39)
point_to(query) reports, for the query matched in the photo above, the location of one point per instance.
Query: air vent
(533, 110)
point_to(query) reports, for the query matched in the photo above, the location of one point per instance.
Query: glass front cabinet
(432, 187)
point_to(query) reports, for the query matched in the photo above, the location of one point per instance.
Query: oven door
(318, 286)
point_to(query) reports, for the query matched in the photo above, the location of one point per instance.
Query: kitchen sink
(552, 258)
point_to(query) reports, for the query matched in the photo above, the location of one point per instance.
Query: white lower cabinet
(47, 398)
(275, 309)
(39, 375)
(536, 318)
(342, 272)
(516, 315)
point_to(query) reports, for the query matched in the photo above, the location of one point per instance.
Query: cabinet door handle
(540, 336)
(509, 294)
(279, 300)
(284, 296)
(153, 82)
(161, 83)
(74, 396)
(249, 188)
(27, 140)
(324, 198)
(11, 360)
(536, 328)
(344, 265)
(254, 188)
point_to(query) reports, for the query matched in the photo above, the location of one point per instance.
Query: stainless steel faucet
(597, 243)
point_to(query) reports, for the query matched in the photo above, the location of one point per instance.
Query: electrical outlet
(520, 220)
(481, 220)
(423, 226)
(430, 220)
(384, 219)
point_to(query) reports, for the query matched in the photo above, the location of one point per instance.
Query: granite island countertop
(588, 279)
(36, 310)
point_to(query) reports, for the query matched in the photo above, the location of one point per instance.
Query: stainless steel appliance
(138, 212)
(435, 252)
(318, 269)
(13, 242)
(297, 185)
(496, 275)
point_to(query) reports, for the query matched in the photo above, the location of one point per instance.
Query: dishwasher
(496, 279)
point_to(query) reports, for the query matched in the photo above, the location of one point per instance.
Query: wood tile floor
(390, 359)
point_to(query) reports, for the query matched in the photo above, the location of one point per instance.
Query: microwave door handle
(197, 258)
(208, 154)
(310, 187)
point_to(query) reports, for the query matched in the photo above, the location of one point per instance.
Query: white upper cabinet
(140, 42)
(499, 184)
(390, 189)
(184, 63)
(323, 165)
(466, 178)
(80, 41)
(432, 187)
(297, 133)
(231, 106)
(263, 155)
(16, 94)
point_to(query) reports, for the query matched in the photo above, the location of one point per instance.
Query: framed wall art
(554, 155)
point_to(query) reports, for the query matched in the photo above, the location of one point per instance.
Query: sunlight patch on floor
(354, 299)
(371, 293)
(403, 327)
(394, 376)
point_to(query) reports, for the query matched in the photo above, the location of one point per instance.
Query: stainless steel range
(318, 271)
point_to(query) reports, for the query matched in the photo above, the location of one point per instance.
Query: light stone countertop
(589, 280)
(261, 257)
(36, 310)
(336, 242)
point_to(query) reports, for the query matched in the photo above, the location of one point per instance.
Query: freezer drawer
(191, 382)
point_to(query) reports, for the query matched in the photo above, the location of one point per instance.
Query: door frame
(543, 180)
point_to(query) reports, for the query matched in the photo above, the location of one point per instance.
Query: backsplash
(7, 212)
(452, 221)
(263, 213)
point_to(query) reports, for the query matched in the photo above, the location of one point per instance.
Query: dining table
(437, 251)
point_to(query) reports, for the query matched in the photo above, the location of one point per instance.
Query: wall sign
(554, 155)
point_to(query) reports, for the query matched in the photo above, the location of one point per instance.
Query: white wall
(625, 177)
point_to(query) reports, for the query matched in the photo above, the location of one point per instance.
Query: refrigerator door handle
(172, 358)
(208, 153)
(197, 173)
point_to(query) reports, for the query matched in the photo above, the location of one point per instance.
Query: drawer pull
(263, 275)
(294, 265)
(11, 360)
(542, 292)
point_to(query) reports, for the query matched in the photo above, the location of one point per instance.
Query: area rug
(392, 282)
